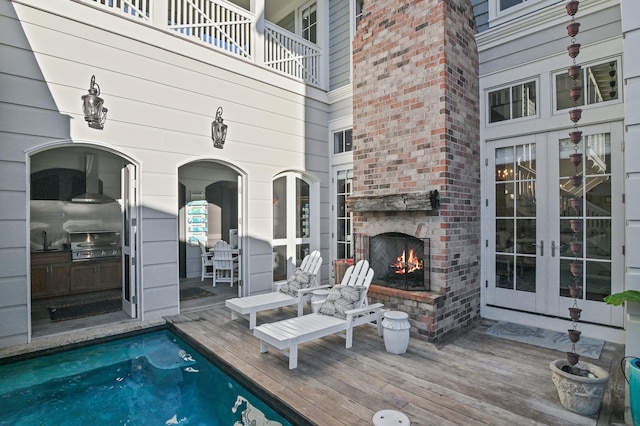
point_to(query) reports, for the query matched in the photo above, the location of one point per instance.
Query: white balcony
(229, 28)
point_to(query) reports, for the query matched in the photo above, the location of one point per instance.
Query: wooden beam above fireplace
(390, 203)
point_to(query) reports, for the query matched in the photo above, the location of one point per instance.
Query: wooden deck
(472, 379)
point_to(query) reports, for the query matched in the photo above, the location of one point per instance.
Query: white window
(342, 141)
(344, 222)
(512, 102)
(506, 4)
(501, 11)
(308, 19)
(599, 82)
(359, 6)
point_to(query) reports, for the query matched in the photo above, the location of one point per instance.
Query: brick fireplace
(415, 132)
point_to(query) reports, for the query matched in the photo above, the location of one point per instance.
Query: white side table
(396, 331)
(390, 418)
(317, 299)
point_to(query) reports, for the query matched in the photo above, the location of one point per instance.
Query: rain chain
(575, 91)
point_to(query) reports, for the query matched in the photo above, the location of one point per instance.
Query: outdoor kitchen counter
(54, 274)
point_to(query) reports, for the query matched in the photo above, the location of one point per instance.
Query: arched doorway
(211, 203)
(81, 209)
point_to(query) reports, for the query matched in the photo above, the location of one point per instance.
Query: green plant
(618, 299)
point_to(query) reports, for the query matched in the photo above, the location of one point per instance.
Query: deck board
(471, 379)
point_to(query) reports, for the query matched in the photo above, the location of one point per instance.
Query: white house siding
(162, 93)
(530, 40)
(481, 12)
(339, 43)
(631, 73)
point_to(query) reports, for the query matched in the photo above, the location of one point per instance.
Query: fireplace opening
(400, 261)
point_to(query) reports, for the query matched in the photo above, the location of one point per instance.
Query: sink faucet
(44, 240)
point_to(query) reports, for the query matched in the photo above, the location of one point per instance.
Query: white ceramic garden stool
(390, 418)
(396, 331)
(317, 299)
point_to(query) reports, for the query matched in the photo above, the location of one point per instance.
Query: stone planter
(582, 395)
(396, 331)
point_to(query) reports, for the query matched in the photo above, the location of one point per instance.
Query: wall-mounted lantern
(218, 130)
(94, 113)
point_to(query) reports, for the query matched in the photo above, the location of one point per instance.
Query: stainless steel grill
(91, 245)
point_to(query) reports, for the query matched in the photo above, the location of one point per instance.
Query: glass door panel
(344, 228)
(515, 221)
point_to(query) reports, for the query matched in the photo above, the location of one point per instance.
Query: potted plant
(633, 378)
(581, 385)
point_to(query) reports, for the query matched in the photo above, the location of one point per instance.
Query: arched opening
(210, 209)
(80, 260)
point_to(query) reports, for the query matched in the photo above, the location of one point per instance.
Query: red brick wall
(416, 129)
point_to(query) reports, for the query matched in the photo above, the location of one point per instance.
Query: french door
(554, 217)
(292, 223)
(129, 241)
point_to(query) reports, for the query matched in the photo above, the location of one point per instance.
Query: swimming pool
(150, 379)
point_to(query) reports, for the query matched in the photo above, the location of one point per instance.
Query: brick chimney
(416, 130)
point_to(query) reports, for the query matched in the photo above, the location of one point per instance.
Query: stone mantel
(419, 201)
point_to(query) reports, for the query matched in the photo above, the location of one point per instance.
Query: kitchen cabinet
(50, 274)
(95, 275)
(54, 274)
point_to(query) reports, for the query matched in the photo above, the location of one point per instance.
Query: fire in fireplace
(400, 261)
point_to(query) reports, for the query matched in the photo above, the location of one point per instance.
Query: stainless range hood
(92, 194)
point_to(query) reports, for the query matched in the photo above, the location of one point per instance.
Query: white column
(160, 13)
(257, 8)
(323, 41)
(631, 72)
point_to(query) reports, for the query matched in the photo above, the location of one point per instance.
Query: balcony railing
(223, 26)
(217, 24)
(130, 8)
(291, 55)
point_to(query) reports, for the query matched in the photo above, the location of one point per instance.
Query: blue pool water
(151, 379)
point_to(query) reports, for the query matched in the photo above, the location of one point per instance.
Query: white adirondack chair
(224, 264)
(286, 335)
(249, 306)
(206, 258)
